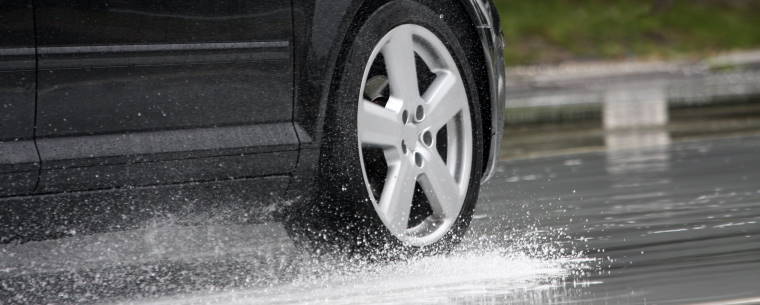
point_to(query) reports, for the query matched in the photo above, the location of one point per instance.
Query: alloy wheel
(415, 135)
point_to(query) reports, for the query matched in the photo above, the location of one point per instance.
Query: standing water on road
(258, 264)
(667, 225)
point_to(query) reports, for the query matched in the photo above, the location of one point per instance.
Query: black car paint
(18, 155)
(158, 92)
(123, 107)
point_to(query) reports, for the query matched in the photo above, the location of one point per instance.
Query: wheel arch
(323, 31)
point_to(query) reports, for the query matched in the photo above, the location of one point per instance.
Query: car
(367, 124)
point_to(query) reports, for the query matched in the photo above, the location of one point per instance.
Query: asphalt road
(660, 225)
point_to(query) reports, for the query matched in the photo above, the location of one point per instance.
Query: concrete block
(633, 107)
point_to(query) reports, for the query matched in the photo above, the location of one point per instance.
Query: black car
(367, 124)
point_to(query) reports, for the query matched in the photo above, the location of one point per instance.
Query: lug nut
(418, 159)
(419, 113)
(427, 138)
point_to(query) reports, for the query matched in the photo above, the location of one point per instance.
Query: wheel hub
(410, 135)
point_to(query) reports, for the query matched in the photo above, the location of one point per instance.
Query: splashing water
(482, 270)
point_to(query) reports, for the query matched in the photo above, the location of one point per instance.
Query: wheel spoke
(445, 98)
(400, 64)
(440, 186)
(396, 199)
(378, 126)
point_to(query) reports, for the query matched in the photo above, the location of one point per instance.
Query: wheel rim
(415, 135)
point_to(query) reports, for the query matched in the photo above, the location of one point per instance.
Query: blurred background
(608, 74)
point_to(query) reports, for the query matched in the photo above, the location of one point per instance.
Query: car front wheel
(401, 162)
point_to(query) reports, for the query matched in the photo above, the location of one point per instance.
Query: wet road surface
(674, 224)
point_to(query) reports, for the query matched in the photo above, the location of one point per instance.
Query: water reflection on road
(675, 223)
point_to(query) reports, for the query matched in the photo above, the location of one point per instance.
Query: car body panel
(492, 39)
(19, 162)
(52, 216)
(123, 83)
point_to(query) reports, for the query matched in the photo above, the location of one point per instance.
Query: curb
(584, 90)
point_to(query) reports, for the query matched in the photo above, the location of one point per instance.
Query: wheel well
(456, 15)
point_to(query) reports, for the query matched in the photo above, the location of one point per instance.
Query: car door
(147, 92)
(19, 162)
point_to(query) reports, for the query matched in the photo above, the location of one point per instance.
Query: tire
(377, 139)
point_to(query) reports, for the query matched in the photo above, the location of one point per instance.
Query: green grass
(550, 31)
